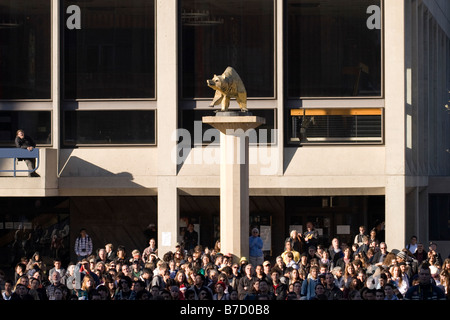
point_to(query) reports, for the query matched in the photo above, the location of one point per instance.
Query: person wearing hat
(256, 246)
(243, 261)
(401, 257)
(219, 291)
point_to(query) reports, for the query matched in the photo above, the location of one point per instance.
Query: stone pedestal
(234, 179)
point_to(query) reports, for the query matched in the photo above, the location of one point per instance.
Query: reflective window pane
(218, 34)
(109, 127)
(36, 124)
(334, 48)
(112, 54)
(25, 49)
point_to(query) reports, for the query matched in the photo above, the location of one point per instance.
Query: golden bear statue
(228, 85)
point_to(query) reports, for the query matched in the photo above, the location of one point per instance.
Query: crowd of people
(305, 269)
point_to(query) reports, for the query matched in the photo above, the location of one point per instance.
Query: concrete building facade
(354, 94)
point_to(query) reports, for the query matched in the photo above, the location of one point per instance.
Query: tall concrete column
(235, 131)
(395, 123)
(167, 115)
(56, 80)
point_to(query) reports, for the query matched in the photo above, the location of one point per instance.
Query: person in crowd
(190, 238)
(87, 285)
(295, 238)
(425, 289)
(391, 292)
(124, 291)
(335, 251)
(256, 255)
(151, 249)
(110, 254)
(400, 280)
(332, 273)
(295, 254)
(432, 249)
(346, 259)
(421, 254)
(57, 267)
(246, 282)
(21, 293)
(319, 292)
(354, 295)
(83, 245)
(37, 291)
(359, 236)
(277, 288)
(8, 290)
(35, 263)
(309, 285)
(101, 256)
(331, 290)
(411, 247)
(55, 282)
(311, 235)
(121, 256)
(380, 255)
(199, 285)
(219, 291)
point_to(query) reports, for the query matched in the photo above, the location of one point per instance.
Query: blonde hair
(84, 285)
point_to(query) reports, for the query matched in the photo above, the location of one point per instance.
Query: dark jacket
(334, 293)
(25, 297)
(24, 143)
(245, 282)
(280, 291)
(376, 257)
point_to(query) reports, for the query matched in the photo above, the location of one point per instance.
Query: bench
(15, 153)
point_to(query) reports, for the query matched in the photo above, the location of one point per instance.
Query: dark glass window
(334, 48)
(25, 49)
(109, 127)
(439, 220)
(36, 124)
(192, 121)
(112, 54)
(218, 34)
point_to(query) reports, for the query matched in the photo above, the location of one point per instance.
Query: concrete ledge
(228, 124)
(45, 185)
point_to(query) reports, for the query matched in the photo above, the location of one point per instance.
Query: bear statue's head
(217, 83)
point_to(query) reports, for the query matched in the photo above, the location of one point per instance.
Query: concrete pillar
(168, 215)
(56, 79)
(395, 122)
(234, 180)
(167, 115)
